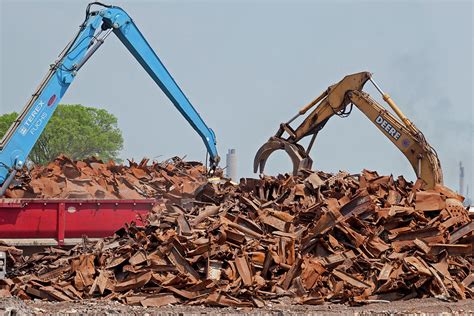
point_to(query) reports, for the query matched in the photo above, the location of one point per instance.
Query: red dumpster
(36, 222)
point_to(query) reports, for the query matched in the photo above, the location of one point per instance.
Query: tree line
(76, 131)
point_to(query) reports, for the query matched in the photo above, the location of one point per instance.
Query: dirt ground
(14, 306)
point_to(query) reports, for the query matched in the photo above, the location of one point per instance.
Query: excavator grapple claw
(297, 154)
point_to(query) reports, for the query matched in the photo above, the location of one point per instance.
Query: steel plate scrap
(312, 238)
(92, 179)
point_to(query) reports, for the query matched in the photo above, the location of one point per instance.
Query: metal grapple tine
(298, 156)
(263, 153)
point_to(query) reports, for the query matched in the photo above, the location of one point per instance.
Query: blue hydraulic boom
(25, 131)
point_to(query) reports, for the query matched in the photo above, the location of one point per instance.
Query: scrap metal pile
(311, 239)
(93, 179)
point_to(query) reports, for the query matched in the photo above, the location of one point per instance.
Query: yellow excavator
(339, 99)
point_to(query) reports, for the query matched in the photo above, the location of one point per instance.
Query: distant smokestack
(461, 178)
(231, 170)
(468, 201)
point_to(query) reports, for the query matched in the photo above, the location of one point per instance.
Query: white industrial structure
(231, 167)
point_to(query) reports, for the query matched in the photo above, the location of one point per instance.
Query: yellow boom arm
(335, 101)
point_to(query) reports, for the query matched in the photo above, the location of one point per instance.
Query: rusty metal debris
(93, 179)
(313, 238)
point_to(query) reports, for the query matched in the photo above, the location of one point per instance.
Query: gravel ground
(14, 306)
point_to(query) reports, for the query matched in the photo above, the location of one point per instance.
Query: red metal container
(34, 222)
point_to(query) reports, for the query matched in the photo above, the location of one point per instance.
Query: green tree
(76, 131)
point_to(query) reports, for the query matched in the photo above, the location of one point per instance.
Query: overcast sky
(246, 66)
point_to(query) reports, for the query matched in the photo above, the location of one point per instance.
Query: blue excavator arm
(27, 128)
